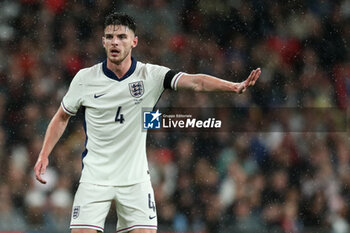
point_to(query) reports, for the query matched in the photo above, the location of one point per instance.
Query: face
(118, 42)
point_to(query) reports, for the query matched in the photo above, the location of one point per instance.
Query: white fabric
(134, 205)
(116, 152)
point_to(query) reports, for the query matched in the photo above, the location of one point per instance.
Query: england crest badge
(76, 211)
(136, 89)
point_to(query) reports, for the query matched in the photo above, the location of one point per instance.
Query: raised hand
(250, 81)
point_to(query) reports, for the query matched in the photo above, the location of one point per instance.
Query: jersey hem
(82, 226)
(127, 229)
(175, 80)
(66, 110)
(115, 184)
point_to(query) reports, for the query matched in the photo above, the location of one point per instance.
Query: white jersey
(115, 151)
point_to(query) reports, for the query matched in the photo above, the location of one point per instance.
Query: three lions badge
(76, 211)
(136, 89)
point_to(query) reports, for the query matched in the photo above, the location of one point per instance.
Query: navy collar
(110, 74)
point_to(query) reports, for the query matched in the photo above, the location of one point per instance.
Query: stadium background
(280, 181)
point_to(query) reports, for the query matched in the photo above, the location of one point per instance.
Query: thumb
(43, 169)
(242, 87)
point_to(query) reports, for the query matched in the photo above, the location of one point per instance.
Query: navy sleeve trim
(66, 110)
(168, 78)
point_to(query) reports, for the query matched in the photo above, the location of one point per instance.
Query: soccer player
(112, 94)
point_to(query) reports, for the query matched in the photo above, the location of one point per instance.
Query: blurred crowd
(277, 180)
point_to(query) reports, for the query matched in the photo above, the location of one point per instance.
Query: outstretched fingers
(250, 78)
(254, 75)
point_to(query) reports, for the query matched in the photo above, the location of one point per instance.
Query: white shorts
(135, 206)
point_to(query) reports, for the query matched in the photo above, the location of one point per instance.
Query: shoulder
(148, 68)
(88, 72)
(155, 67)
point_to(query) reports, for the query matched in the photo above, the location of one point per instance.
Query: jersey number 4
(119, 117)
(151, 203)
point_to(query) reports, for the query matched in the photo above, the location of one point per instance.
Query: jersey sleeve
(171, 78)
(72, 100)
(165, 77)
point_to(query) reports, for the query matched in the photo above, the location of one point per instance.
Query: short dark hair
(116, 18)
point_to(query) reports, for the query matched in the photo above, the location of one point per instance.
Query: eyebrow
(111, 34)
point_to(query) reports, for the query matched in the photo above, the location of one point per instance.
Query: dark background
(271, 181)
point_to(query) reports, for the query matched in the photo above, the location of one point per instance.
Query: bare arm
(53, 133)
(203, 82)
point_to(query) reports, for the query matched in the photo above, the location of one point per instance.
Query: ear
(135, 41)
(103, 41)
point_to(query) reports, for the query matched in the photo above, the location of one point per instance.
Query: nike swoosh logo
(152, 217)
(98, 96)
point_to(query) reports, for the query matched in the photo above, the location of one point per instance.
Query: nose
(115, 40)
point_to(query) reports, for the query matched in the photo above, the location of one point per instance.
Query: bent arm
(53, 133)
(203, 82)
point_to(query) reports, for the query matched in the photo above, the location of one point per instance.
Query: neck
(120, 69)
